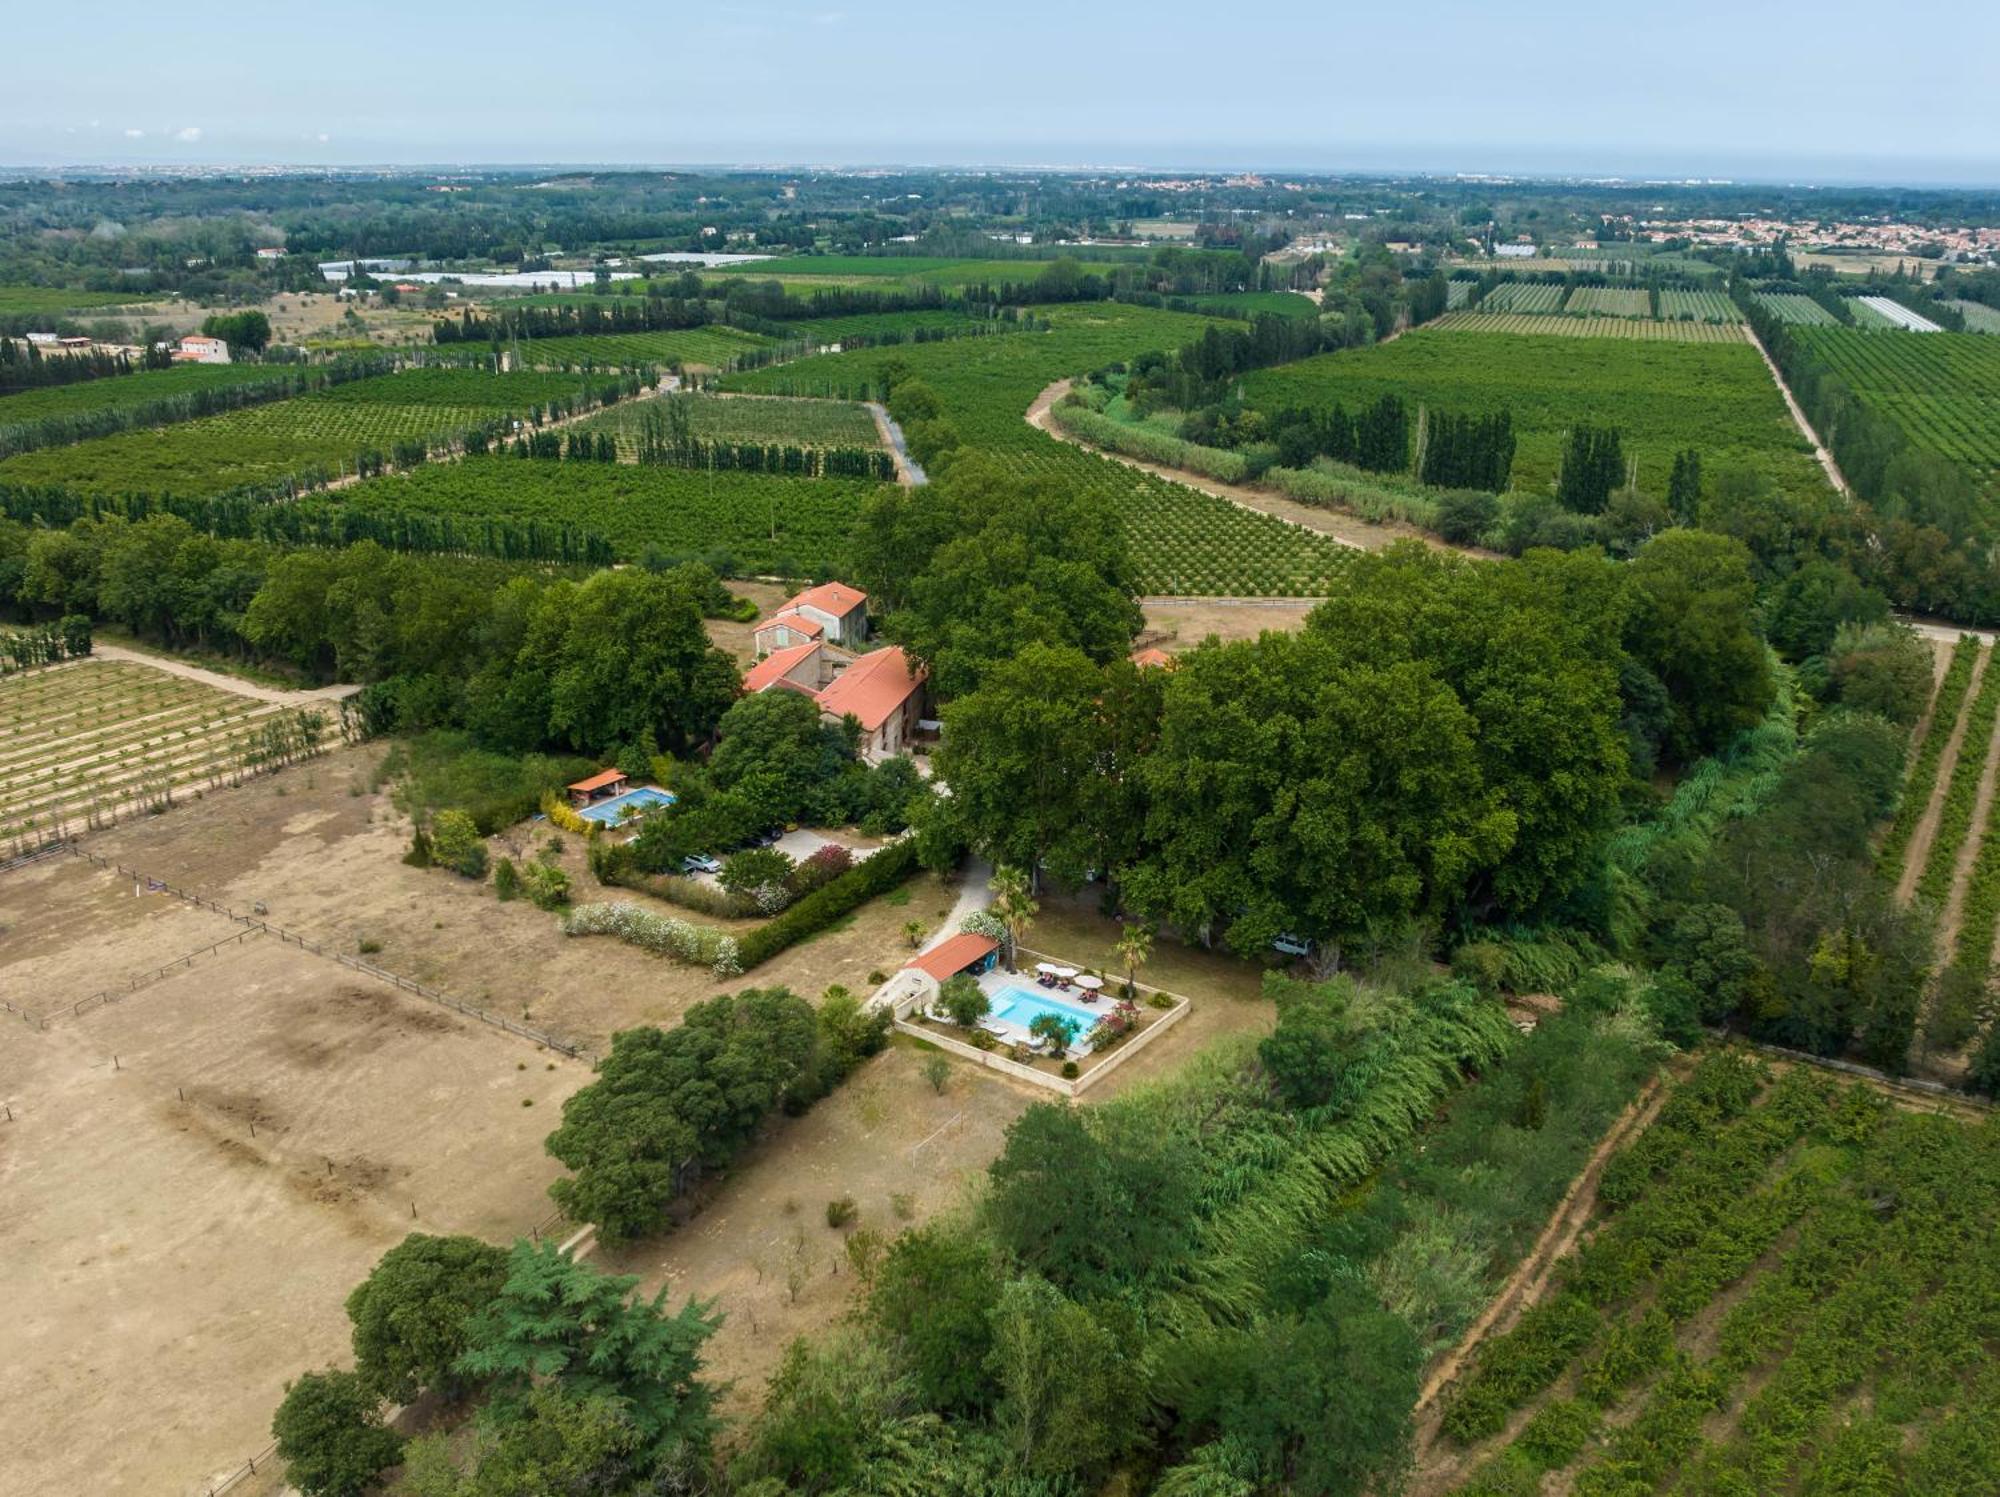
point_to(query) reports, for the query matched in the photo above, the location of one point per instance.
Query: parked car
(701, 863)
(1291, 945)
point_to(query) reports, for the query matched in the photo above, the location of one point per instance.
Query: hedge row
(1923, 772)
(873, 876)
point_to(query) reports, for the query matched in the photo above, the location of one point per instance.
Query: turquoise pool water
(609, 811)
(1021, 1006)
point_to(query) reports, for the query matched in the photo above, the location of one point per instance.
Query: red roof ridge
(952, 955)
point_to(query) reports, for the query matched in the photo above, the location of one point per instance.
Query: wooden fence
(256, 925)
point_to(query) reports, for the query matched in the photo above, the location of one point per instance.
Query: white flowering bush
(697, 945)
(984, 923)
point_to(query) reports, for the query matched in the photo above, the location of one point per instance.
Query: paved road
(908, 466)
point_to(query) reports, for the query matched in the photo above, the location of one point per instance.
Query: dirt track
(1920, 840)
(1523, 1290)
(1347, 529)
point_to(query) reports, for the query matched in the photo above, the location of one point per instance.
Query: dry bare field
(196, 1176)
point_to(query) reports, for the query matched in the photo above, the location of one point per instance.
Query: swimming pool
(1019, 1007)
(610, 811)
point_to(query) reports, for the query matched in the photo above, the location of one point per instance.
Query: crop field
(1868, 317)
(1942, 389)
(1458, 293)
(133, 389)
(1702, 306)
(1641, 328)
(29, 301)
(1666, 395)
(701, 347)
(269, 1124)
(892, 324)
(88, 741)
(1250, 303)
(719, 418)
(916, 269)
(1979, 318)
(1897, 314)
(757, 522)
(1790, 1287)
(1800, 311)
(1523, 296)
(1609, 301)
(325, 430)
(1182, 541)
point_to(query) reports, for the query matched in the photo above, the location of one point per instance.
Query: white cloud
(324, 137)
(830, 17)
(135, 134)
(188, 133)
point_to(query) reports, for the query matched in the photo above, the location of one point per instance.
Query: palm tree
(1014, 903)
(1133, 948)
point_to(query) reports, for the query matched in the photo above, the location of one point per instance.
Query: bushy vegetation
(656, 1119)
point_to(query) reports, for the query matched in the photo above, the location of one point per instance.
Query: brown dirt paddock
(323, 851)
(182, 1266)
(191, 1269)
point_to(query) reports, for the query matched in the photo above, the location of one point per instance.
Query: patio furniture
(1090, 986)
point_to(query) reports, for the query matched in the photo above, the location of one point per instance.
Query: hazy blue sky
(1752, 88)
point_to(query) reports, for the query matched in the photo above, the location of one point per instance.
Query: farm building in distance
(197, 348)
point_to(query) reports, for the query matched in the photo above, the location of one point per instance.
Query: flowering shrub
(1114, 1026)
(697, 945)
(984, 923)
(822, 868)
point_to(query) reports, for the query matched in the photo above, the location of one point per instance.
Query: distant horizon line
(1854, 176)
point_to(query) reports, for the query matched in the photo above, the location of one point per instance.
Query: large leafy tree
(1023, 755)
(557, 1320)
(997, 561)
(330, 1434)
(1530, 650)
(1065, 1382)
(1090, 1201)
(667, 1102)
(1693, 625)
(930, 1299)
(552, 1442)
(625, 655)
(410, 1313)
(1292, 789)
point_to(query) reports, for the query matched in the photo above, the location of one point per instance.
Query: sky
(1769, 90)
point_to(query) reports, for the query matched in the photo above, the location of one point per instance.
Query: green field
(1250, 303)
(1941, 389)
(1609, 301)
(1979, 318)
(921, 269)
(134, 389)
(1523, 296)
(1789, 1286)
(716, 418)
(1867, 317)
(1182, 541)
(1666, 395)
(1644, 328)
(746, 522)
(708, 347)
(1800, 311)
(324, 431)
(29, 301)
(1701, 306)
